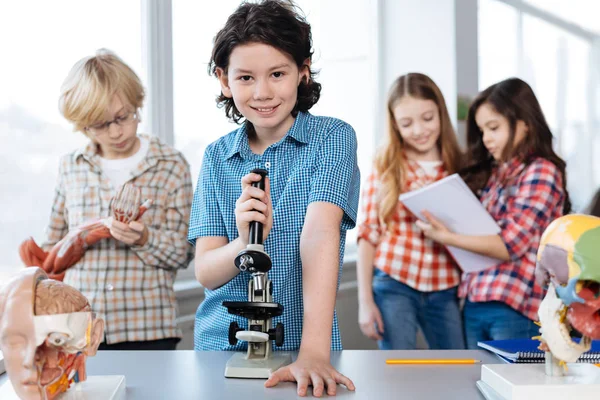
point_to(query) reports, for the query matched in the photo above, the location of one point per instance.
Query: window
(33, 133)
(197, 120)
(581, 12)
(498, 51)
(548, 48)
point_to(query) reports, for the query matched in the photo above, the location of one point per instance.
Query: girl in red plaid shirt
(406, 280)
(521, 182)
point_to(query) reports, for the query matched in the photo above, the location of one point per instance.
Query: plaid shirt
(523, 199)
(130, 287)
(402, 251)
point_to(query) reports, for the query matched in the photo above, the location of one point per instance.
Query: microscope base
(239, 366)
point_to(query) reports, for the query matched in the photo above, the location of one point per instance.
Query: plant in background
(462, 107)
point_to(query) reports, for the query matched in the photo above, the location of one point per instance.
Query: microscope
(260, 360)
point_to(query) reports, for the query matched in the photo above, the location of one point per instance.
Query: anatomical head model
(47, 330)
(569, 265)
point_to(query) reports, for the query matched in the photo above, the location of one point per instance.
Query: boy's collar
(298, 131)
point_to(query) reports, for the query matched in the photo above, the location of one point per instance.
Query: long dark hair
(275, 23)
(514, 99)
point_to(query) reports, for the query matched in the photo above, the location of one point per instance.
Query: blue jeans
(404, 309)
(495, 320)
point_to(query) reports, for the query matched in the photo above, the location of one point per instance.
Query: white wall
(417, 36)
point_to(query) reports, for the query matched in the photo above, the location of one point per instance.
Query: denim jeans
(404, 309)
(495, 320)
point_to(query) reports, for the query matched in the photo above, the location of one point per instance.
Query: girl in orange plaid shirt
(405, 279)
(522, 184)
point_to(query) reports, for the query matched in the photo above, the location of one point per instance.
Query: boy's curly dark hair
(275, 23)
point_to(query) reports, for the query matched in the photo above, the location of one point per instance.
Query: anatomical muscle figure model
(568, 263)
(125, 207)
(47, 331)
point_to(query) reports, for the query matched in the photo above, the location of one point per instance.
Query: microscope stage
(254, 310)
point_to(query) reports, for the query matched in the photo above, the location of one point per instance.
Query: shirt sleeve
(530, 207)
(167, 247)
(58, 226)
(206, 218)
(337, 178)
(369, 227)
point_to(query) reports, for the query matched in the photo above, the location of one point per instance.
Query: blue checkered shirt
(315, 161)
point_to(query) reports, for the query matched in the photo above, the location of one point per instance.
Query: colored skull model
(568, 263)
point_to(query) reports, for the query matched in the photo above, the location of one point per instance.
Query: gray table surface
(188, 374)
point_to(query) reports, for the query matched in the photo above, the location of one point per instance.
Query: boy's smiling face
(263, 82)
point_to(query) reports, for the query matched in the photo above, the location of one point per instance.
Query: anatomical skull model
(568, 263)
(47, 331)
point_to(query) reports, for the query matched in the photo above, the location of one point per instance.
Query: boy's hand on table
(307, 370)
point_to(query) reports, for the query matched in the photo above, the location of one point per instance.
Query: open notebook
(451, 201)
(526, 351)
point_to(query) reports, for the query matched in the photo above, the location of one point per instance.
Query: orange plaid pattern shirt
(402, 251)
(130, 287)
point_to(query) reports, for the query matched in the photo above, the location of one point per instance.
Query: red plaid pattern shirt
(130, 287)
(402, 251)
(524, 200)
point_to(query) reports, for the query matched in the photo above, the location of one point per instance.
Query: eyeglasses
(123, 120)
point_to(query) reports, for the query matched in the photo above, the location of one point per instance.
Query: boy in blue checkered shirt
(262, 58)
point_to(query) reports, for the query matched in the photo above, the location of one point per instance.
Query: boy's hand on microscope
(313, 371)
(254, 205)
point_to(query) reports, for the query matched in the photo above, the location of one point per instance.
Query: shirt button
(267, 164)
(110, 287)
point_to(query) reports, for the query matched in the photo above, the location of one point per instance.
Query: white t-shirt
(430, 167)
(119, 171)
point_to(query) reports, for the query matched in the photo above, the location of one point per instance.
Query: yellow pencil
(433, 361)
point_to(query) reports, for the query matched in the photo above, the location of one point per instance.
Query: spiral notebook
(526, 351)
